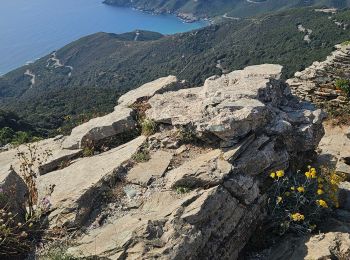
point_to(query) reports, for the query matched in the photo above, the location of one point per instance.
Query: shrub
(182, 190)
(141, 156)
(16, 238)
(148, 127)
(187, 134)
(298, 202)
(344, 85)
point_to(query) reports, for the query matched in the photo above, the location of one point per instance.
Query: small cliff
(192, 185)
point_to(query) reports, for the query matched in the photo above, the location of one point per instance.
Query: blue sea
(30, 29)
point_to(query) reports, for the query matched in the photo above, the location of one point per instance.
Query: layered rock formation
(317, 82)
(191, 190)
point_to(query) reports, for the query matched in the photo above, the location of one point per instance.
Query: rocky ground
(186, 182)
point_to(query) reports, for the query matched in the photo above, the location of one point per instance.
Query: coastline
(184, 17)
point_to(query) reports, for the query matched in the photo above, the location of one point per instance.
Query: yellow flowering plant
(297, 202)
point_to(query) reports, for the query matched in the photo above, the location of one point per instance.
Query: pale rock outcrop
(12, 192)
(143, 173)
(49, 153)
(148, 90)
(206, 202)
(118, 122)
(317, 82)
(122, 120)
(325, 245)
(334, 149)
(78, 186)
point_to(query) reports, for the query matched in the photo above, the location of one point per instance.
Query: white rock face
(148, 90)
(122, 120)
(117, 122)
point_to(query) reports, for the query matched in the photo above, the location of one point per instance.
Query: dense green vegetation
(14, 130)
(108, 65)
(213, 8)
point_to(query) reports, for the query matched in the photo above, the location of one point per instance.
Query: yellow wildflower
(279, 200)
(322, 203)
(292, 188)
(280, 174)
(297, 217)
(313, 174)
(272, 175)
(308, 175)
(320, 192)
(301, 189)
(320, 186)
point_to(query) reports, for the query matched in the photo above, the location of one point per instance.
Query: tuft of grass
(142, 155)
(148, 127)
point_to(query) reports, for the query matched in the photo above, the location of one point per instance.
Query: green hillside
(107, 65)
(236, 8)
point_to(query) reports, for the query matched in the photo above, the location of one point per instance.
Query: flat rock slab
(206, 170)
(76, 187)
(142, 173)
(335, 149)
(113, 238)
(149, 89)
(52, 145)
(118, 122)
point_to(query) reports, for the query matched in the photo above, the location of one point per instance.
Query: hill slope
(212, 8)
(93, 71)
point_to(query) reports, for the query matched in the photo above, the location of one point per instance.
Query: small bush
(344, 85)
(148, 127)
(345, 43)
(88, 151)
(182, 190)
(16, 237)
(187, 134)
(298, 202)
(142, 155)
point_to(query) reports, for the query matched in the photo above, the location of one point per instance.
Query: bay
(30, 29)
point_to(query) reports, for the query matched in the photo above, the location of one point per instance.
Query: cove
(30, 29)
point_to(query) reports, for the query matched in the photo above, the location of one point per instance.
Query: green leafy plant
(182, 190)
(297, 202)
(344, 85)
(142, 155)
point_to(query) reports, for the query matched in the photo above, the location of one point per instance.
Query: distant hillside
(95, 70)
(212, 8)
